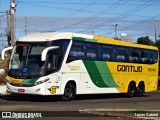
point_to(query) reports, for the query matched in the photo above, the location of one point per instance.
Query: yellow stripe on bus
(14, 80)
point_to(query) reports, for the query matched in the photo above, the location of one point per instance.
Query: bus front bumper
(34, 90)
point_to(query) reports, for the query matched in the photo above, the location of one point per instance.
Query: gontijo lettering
(129, 68)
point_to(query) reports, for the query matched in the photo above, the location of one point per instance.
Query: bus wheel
(69, 92)
(140, 90)
(131, 90)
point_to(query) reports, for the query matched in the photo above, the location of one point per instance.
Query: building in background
(125, 37)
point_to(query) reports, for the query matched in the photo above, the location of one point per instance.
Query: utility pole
(115, 30)
(1, 34)
(25, 26)
(93, 32)
(12, 10)
(8, 30)
(155, 29)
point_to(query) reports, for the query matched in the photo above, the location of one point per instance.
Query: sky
(135, 18)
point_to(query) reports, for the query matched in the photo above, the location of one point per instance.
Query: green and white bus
(65, 63)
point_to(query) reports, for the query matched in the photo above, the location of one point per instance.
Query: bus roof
(45, 36)
(105, 40)
(49, 36)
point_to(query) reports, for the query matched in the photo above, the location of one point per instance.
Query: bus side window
(133, 55)
(53, 61)
(144, 56)
(153, 57)
(91, 49)
(121, 54)
(107, 53)
(76, 52)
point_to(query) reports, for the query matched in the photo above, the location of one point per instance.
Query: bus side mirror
(45, 51)
(4, 50)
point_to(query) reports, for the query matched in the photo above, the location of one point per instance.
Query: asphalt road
(52, 104)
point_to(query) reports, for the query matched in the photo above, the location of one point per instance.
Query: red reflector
(21, 90)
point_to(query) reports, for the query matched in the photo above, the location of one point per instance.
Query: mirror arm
(45, 51)
(4, 50)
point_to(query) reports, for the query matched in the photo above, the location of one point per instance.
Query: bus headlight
(42, 81)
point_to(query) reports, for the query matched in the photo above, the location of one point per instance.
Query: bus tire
(140, 90)
(131, 90)
(69, 92)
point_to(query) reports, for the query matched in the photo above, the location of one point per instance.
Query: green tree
(145, 41)
(157, 44)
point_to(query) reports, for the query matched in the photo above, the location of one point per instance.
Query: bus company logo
(129, 68)
(6, 115)
(74, 67)
(53, 89)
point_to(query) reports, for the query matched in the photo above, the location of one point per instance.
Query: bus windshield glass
(26, 58)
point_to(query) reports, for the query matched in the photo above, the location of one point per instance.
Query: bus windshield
(26, 60)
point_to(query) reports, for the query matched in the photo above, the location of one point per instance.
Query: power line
(139, 23)
(122, 15)
(3, 15)
(107, 21)
(53, 7)
(76, 12)
(116, 5)
(51, 2)
(133, 25)
(69, 9)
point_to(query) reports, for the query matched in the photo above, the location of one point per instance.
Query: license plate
(21, 90)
